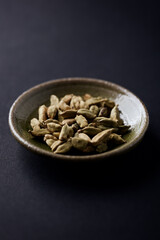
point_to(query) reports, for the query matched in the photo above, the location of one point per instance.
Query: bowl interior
(25, 107)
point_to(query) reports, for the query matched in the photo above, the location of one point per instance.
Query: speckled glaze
(25, 107)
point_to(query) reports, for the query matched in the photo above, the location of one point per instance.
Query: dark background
(113, 40)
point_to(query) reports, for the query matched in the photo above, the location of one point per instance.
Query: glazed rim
(123, 148)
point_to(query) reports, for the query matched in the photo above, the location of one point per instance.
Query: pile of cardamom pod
(88, 124)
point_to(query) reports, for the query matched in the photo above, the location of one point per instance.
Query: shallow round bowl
(134, 113)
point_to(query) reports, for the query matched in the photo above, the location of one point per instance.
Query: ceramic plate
(134, 113)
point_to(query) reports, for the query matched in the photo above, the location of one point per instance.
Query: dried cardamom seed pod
(94, 109)
(103, 112)
(39, 132)
(71, 113)
(75, 127)
(52, 111)
(86, 96)
(50, 121)
(116, 138)
(108, 122)
(53, 127)
(66, 132)
(42, 113)
(122, 129)
(93, 101)
(102, 147)
(83, 104)
(54, 100)
(115, 115)
(63, 148)
(79, 143)
(69, 121)
(67, 98)
(86, 113)
(108, 103)
(49, 142)
(99, 101)
(76, 102)
(91, 131)
(63, 106)
(81, 120)
(89, 149)
(56, 134)
(102, 127)
(92, 124)
(84, 136)
(60, 118)
(35, 123)
(56, 144)
(101, 137)
(49, 136)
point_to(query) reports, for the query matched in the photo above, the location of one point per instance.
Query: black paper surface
(116, 41)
